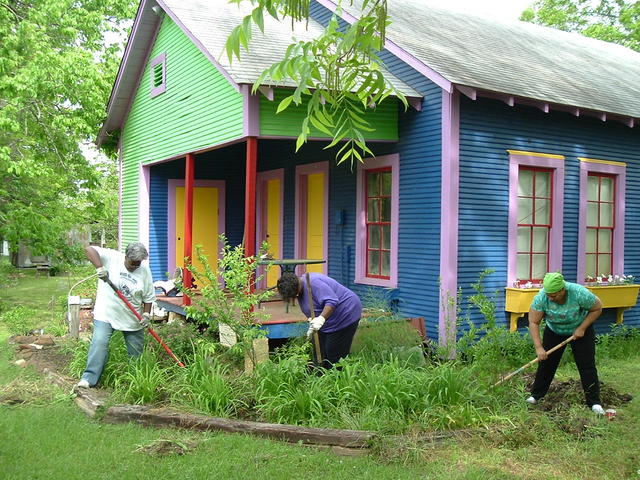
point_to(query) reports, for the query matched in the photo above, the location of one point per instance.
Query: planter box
(621, 297)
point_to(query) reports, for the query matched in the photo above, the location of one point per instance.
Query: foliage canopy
(339, 71)
(55, 76)
(616, 21)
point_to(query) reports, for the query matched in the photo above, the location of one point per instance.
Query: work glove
(103, 273)
(317, 322)
(146, 319)
(310, 330)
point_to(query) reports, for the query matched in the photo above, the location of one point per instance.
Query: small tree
(227, 293)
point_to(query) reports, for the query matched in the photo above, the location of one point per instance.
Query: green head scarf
(553, 282)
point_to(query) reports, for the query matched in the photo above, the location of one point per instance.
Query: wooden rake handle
(316, 340)
(535, 360)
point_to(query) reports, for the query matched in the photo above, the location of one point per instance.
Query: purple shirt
(326, 291)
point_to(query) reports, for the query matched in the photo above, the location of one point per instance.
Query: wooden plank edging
(163, 417)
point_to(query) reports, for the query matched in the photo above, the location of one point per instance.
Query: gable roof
(208, 23)
(513, 57)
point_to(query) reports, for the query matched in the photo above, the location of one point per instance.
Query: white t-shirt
(136, 286)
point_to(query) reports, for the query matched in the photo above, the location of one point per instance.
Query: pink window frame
(160, 59)
(618, 170)
(534, 223)
(386, 161)
(539, 160)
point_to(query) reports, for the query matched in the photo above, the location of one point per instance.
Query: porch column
(250, 197)
(188, 222)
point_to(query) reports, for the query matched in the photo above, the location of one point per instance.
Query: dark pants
(584, 353)
(336, 345)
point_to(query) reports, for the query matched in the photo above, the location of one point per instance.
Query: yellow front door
(315, 220)
(205, 225)
(272, 224)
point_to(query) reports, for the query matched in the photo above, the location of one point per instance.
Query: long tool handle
(139, 317)
(316, 340)
(535, 360)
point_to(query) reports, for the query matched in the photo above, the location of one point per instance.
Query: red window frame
(599, 227)
(377, 223)
(531, 226)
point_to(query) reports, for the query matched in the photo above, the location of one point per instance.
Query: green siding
(288, 122)
(199, 108)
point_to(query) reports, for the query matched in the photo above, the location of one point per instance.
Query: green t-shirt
(564, 319)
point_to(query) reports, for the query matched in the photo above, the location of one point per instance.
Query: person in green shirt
(568, 309)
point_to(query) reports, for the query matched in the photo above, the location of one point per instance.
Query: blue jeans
(99, 349)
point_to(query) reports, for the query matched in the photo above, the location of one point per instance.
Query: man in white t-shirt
(110, 313)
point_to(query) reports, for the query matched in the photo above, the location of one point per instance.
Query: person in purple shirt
(337, 311)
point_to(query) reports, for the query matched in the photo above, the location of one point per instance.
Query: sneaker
(597, 409)
(531, 400)
(84, 384)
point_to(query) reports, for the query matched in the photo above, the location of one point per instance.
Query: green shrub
(143, 380)
(621, 342)
(377, 341)
(19, 320)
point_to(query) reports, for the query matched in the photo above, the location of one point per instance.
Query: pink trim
(155, 91)
(392, 161)
(251, 112)
(555, 242)
(120, 193)
(301, 210)
(449, 205)
(618, 233)
(143, 205)
(171, 215)
(399, 52)
(199, 44)
(196, 152)
(261, 208)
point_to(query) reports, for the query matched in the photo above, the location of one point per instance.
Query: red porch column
(250, 199)
(188, 222)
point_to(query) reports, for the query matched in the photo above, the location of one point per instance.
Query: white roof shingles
(518, 58)
(211, 21)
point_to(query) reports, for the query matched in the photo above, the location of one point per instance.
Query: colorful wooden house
(519, 154)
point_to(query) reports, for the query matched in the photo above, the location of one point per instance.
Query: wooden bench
(42, 269)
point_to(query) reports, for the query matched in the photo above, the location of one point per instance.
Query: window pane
(386, 183)
(590, 266)
(374, 263)
(373, 184)
(606, 214)
(373, 210)
(543, 187)
(592, 214)
(604, 264)
(525, 210)
(386, 209)
(604, 241)
(606, 189)
(386, 264)
(543, 212)
(540, 237)
(539, 267)
(524, 239)
(522, 272)
(525, 183)
(386, 237)
(590, 245)
(374, 236)
(592, 188)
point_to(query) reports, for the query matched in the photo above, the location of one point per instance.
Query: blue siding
(488, 129)
(420, 150)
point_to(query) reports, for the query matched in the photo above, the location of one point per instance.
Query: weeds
(19, 320)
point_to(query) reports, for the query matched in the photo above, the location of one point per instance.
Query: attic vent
(158, 74)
